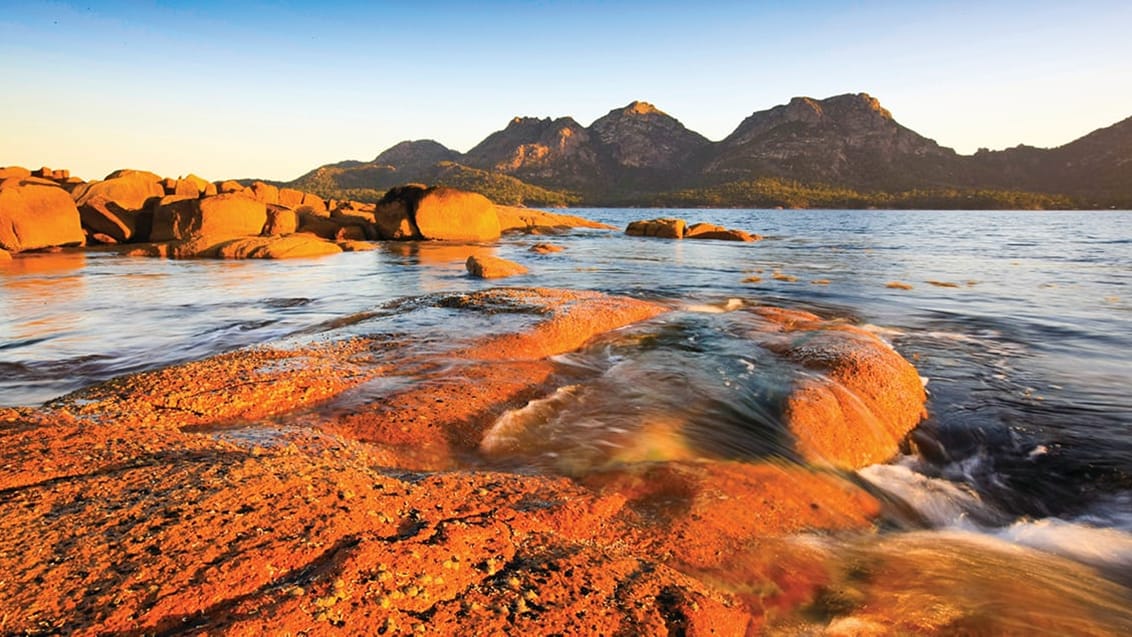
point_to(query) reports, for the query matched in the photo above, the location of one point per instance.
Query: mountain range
(845, 150)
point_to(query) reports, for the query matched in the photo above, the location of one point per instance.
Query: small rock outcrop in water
(863, 399)
(489, 267)
(667, 228)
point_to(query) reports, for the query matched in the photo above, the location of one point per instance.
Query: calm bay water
(1021, 321)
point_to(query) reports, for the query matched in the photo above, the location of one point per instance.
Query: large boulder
(100, 215)
(129, 189)
(448, 214)
(34, 216)
(224, 216)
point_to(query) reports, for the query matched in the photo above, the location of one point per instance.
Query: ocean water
(1021, 322)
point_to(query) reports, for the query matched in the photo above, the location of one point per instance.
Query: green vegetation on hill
(779, 193)
(500, 188)
(368, 182)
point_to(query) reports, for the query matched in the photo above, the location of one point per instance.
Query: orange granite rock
(488, 267)
(34, 216)
(334, 486)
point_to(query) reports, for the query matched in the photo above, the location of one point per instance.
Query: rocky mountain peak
(642, 136)
(641, 108)
(847, 138)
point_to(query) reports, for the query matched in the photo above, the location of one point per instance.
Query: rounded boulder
(34, 216)
(447, 214)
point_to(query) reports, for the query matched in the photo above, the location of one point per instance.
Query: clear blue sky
(232, 89)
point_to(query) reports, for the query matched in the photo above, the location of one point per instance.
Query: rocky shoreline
(253, 491)
(355, 478)
(142, 214)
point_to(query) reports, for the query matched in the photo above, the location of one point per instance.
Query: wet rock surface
(337, 482)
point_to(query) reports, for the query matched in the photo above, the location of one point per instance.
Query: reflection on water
(1026, 347)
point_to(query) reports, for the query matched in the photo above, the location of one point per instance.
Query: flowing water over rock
(1019, 322)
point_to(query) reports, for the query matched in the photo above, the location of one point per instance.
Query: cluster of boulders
(669, 228)
(192, 217)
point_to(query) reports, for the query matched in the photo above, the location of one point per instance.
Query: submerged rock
(719, 233)
(546, 248)
(515, 219)
(488, 267)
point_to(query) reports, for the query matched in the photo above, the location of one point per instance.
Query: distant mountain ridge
(640, 155)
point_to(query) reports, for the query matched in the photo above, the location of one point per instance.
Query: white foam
(704, 308)
(505, 433)
(939, 502)
(1102, 538)
(1096, 546)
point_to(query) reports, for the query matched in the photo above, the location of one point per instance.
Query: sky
(275, 89)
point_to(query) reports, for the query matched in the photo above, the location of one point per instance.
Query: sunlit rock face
(381, 468)
(540, 150)
(36, 215)
(642, 136)
(847, 139)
